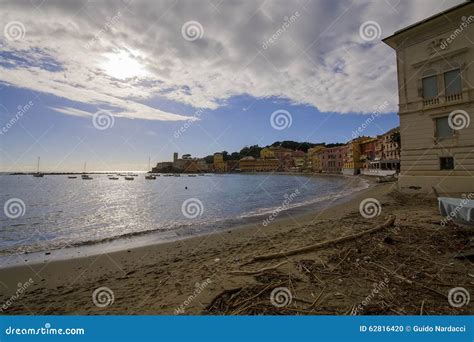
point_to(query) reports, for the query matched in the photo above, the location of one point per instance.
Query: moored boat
(38, 173)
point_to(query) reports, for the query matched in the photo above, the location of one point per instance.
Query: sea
(57, 213)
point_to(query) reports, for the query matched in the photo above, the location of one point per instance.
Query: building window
(443, 130)
(446, 163)
(452, 82)
(430, 87)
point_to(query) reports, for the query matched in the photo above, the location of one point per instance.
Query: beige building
(436, 101)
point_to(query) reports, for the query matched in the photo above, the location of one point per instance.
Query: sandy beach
(407, 267)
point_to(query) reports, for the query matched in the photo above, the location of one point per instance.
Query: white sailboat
(149, 176)
(38, 174)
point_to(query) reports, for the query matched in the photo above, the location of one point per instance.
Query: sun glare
(122, 65)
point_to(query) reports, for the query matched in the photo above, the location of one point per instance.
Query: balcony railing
(453, 97)
(431, 102)
(442, 99)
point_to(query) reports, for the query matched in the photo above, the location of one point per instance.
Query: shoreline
(154, 237)
(193, 276)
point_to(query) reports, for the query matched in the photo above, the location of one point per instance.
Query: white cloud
(318, 59)
(72, 111)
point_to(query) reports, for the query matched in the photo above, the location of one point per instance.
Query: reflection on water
(61, 211)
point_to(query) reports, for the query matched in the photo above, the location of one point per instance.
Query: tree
(209, 159)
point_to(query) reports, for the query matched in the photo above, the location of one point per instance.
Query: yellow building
(436, 101)
(250, 164)
(352, 157)
(219, 164)
(314, 158)
(267, 153)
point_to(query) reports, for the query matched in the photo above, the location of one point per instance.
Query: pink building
(332, 159)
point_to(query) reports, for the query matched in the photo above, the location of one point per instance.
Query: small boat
(192, 176)
(167, 175)
(150, 176)
(129, 178)
(72, 177)
(113, 178)
(176, 175)
(85, 176)
(38, 174)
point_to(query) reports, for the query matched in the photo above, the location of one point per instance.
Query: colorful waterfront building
(314, 158)
(367, 152)
(352, 155)
(267, 153)
(250, 164)
(332, 159)
(436, 101)
(219, 164)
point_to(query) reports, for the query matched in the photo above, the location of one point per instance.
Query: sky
(114, 83)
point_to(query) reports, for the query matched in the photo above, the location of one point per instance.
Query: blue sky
(118, 81)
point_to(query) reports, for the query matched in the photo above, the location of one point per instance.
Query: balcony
(431, 102)
(453, 97)
(443, 100)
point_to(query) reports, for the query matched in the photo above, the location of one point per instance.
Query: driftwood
(390, 221)
(238, 272)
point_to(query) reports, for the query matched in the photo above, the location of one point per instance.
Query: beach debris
(239, 272)
(388, 223)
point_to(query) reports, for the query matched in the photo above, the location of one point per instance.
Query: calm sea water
(52, 212)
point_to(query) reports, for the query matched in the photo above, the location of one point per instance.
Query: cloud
(110, 54)
(72, 111)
